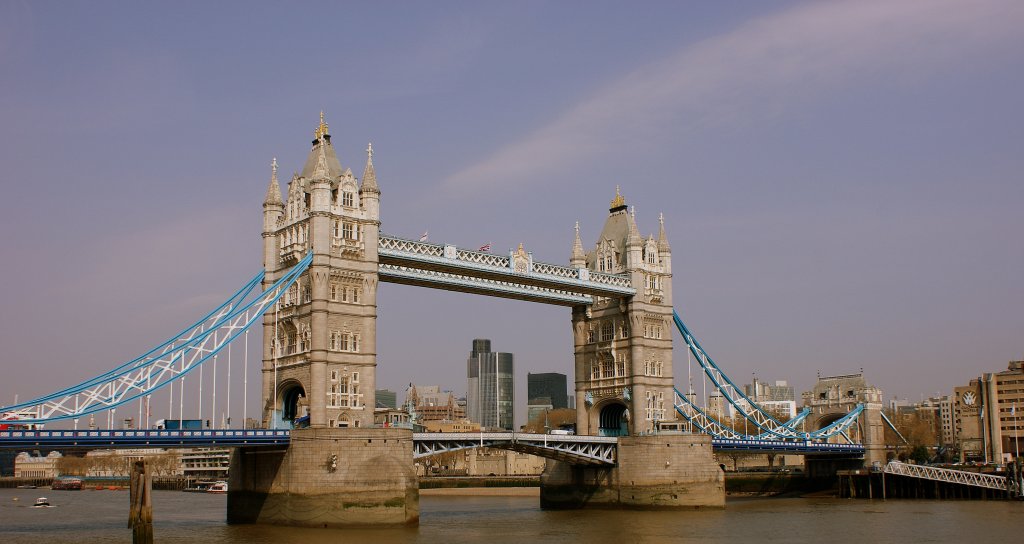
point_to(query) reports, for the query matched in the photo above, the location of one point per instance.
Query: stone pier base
(657, 471)
(327, 477)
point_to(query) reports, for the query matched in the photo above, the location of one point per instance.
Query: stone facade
(835, 396)
(327, 478)
(623, 347)
(654, 471)
(319, 353)
(987, 422)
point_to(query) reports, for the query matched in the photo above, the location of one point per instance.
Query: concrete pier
(656, 471)
(327, 477)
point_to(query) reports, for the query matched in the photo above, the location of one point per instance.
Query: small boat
(220, 487)
(41, 502)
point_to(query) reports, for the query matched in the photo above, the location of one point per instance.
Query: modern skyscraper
(490, 392)
(550, 385)
(386, 398)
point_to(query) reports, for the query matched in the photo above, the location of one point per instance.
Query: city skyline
(847, 201)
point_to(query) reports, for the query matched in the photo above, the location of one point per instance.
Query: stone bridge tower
(623, 347)
(835, 396)
(319, 348)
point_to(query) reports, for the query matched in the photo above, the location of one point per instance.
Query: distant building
(490, 398)
(716, 405)
(986, 415)
(430, 403)
(27, 465)
(386, 398)
(538, 406)
(206, 463)
(760, 391)
(391, 417)
(449, 426)
(550, 385)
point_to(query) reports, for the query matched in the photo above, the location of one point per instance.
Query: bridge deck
(598, 449)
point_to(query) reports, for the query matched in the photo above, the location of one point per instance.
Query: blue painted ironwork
(107, 439)
(586, 450)
(159, 366)
(744, 405)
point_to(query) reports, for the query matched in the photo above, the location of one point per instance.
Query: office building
(386, 399)
(490, 395)
(550, 385)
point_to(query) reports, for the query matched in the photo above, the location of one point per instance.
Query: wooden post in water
(140, 514)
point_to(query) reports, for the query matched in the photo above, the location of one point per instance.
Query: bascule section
(319, 353)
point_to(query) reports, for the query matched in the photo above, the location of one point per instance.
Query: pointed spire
(634, 232)
(274, 189)
(662, 239)
(320, 170)
(578, 256)
(369, 174)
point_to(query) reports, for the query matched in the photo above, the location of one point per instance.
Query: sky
(841, 181)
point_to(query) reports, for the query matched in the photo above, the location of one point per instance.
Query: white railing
(937, 474)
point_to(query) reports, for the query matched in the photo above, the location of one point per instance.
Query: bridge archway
(613, 419)
(292, 402)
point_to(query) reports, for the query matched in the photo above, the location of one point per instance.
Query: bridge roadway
(592, 450)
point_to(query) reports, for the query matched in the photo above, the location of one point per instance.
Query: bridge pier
(327, 477)
(654, 471)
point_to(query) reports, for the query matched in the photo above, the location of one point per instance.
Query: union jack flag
(485, 247)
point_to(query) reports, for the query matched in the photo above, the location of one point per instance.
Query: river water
(101, 516)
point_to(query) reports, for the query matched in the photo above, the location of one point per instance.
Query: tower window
(346, 198)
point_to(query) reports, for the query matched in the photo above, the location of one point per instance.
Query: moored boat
(67, 483)
(218, 487)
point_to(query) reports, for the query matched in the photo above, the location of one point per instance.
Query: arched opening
(293, 403)
(853, 431)
(614, 420)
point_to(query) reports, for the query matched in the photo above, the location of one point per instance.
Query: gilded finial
(618, 200)
(321, 130)
(661, 218)
(273, 167)
(632, 212)
(369, 151)
(577, 228)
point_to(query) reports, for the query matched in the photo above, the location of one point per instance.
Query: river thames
(101, 516)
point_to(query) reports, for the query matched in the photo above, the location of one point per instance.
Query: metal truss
(481, 286)
(748, 408)
(937, 474)
(788, 446)
(576, 450)
(709, 425)
(159, 366)
(92, 439)
(516, 275)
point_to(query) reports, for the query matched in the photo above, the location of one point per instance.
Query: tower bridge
(324, 258)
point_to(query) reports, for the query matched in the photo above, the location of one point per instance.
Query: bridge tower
(319, 352)
(835, 396)
(623, 347)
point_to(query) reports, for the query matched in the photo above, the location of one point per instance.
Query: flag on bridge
(485, 247)
(425, 236)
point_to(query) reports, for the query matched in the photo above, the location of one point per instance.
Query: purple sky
(841, 181)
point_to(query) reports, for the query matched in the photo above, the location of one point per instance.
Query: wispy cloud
(772, 62)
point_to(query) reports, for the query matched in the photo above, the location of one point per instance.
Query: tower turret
(369, 193)
(273, 210)
(579, 258)
(664, 250)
